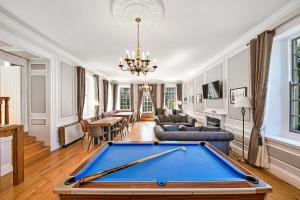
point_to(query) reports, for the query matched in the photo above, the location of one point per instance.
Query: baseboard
(274, 169)
(284, 175)
(5, 169)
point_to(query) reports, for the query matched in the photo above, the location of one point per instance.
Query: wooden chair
(94, 119)
(95, 131)
(84, 125)
(133, 118)
(121, 129)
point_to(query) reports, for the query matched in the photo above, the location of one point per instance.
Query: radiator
(70, 133)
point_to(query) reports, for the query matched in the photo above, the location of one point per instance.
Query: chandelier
(137, 62)
(145, 87)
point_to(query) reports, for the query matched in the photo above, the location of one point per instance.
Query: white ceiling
(192, 31)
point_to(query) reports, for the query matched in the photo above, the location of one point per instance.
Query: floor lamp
(243, 103)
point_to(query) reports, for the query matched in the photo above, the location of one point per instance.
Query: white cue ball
(183, 148)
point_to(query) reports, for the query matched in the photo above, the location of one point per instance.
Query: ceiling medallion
(125, 11)
(137, 62)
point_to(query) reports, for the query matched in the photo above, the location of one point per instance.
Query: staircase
(34, 150)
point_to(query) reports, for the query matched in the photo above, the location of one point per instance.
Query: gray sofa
(219, 139)
(174, 119)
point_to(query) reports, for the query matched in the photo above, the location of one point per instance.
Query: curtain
(97, 96)
(80, 91)
(162, 95)
(105, 94)
(260, 54)
(153, 96)
(132, 97)
(179, 93)
(115, 95)
(140, 99)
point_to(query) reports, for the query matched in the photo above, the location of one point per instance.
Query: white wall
(283, 145)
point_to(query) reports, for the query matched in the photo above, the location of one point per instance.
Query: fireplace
(213, 122)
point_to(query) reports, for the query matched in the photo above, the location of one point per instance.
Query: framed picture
(185, 100)
(237, 92)
(199, 98)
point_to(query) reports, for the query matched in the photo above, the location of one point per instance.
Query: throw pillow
(182, 118)
(161, 118)
(192, 128)
(160, 111)
(171, 127)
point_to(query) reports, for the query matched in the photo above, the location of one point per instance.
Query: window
(89, 102)
(295, 87)
(124, 98)
(170, 93)
(146, 102)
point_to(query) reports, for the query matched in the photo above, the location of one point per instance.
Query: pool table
(199, 172)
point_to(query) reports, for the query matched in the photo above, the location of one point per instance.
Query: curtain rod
(283, 23)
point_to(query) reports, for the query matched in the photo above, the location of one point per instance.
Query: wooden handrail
(6, 110)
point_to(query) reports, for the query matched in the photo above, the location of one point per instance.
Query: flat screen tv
(212, 90)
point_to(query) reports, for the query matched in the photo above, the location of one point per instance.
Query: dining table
(127, 115)
(108, 122)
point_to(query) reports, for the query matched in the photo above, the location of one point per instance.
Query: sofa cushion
(178, 118)
(184, 123)
(166, 123)
(160, 111)
(171, 128)
(184, 128)
(168, 118)
(161, 118)
(211, 129)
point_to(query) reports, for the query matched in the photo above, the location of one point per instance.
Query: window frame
(292, 85)
(120, 98)
(149, 103)
(165, 99)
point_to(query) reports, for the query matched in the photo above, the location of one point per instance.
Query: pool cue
(115, 169)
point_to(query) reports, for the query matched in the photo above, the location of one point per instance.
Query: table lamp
(179, 103)
(243, 103)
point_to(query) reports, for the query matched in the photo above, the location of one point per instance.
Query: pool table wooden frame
(237, 190)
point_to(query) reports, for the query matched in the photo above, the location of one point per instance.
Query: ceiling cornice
(286, 12)
(23, 37)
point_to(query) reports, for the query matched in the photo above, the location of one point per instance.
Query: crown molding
(19, 35)
(271, 22)
(151, 81)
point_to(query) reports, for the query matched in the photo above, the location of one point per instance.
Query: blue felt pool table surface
(197, 163)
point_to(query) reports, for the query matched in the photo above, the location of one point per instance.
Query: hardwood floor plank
(42, 175)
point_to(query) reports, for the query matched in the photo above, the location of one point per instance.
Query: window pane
(296, 60)
(146, 102)
(296, 75)
(295, 123)
(295, 87)
(170, 98)
(295, 107)
(124, 98)
(295, 92)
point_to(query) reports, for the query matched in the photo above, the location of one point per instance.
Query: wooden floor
(42, 175)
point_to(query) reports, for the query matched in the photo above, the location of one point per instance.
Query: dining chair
(84, 126)
(95, 131)
(121, 129)
(94, 119)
